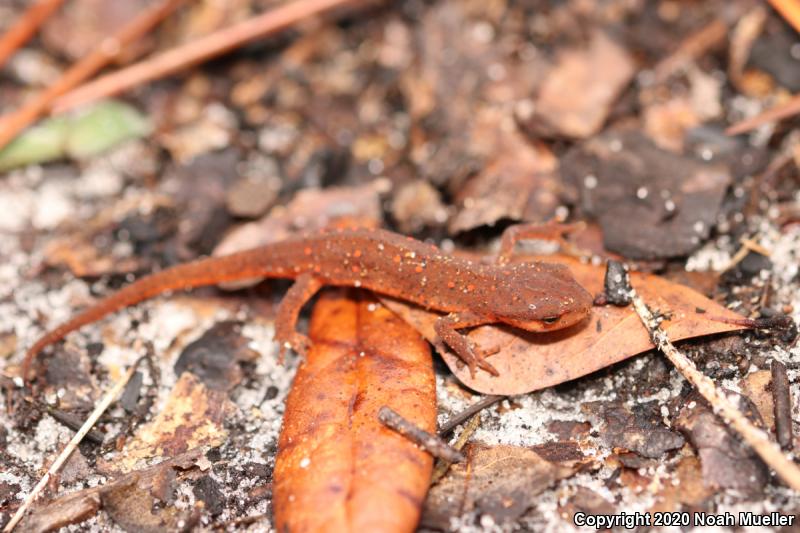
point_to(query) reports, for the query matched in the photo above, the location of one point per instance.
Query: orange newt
(531, 296)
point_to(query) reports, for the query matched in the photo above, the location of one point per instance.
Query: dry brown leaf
(726, 462)
(66, 510)
(338, 468)
(577, 95)
(133, 508)
(757, 387)
(193, 416)
(214, 358)
(519, 180)
(690, 489)
(499, 481)
(620, 177)
(532, 361)
(81, 505)
(78, 249)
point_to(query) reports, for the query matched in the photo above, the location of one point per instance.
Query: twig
(467, 413)
(24, 28)
(781, 394)
(748, 245)
(197, 51)
(785, 110)
(427, 441)
(789, 10)
(70, 447)
(694, 46)
(74, 423)
(11, 125)
(469, 429)
(769, 451)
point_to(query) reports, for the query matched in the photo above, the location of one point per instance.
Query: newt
(533, 296)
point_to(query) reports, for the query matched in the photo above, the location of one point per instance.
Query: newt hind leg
(286, 334)
(548, 231)
(447, 327)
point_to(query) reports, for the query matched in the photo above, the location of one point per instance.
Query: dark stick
(466, 414)
(427, 441)
(74, 423)
(783, 401)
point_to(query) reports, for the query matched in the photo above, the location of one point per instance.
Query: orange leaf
(338, 468)
(532, 361)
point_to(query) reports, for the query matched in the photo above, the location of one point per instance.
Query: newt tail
(199, 273)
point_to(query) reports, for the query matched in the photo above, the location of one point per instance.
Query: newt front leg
(447, 327)
(286, 334)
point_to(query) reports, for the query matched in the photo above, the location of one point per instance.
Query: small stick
(70, 447)
(458, 418)
(694, 46)
(782, 400)
(74, 423)
(11, 125)
(23, 29)
(789, 10)
(748, 245)
(769, 451)
(197, 51)
(442, 466)
(427, 441)
(779, 322)
(781, 111)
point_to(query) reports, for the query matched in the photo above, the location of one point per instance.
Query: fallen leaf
(519, 174)
(133, 508)
(651, 203)
(499, 481)
(577, 95)
(338, 468)
(437, 90)
(69, 374)
(689, 489)
(757, 387)
(192, 416)
(569, 429)
(79, 136)
(638, 429)
(66, 510)
(531, 361)
(87, 250)
(104, 126)
(726, 462)
(586, 501)
(39, 144)
(209, 492)
(79, 506)
(214, 357)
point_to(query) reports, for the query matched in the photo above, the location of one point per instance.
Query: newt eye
(550, 320)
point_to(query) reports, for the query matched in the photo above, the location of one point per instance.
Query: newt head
(539, 297)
